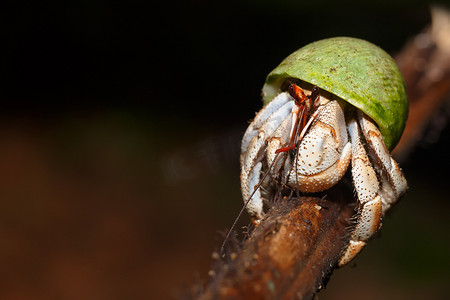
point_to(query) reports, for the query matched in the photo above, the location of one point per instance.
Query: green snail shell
(356, 71)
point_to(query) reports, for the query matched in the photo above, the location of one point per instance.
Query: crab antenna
(306, 127)
(245, 205)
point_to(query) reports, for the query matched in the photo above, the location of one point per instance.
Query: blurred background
(120, 127)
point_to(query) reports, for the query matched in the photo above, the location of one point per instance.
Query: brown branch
(290, 254)
(425, 63)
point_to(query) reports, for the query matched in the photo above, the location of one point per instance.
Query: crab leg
(251, 161)
(367, 189)
(393, 183)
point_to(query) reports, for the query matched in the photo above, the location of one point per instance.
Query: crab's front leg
(374, 199)
(254, 145)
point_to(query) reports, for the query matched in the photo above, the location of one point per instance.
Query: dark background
(120, 125)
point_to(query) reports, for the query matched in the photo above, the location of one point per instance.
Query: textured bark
(290, 255)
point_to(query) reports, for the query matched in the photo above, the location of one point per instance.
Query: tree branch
(291, 254)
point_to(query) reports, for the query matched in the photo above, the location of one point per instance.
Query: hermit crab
(334, 104)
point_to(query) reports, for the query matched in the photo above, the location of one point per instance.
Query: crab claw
(324, 153)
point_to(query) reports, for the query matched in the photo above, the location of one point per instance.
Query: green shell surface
(356, 71)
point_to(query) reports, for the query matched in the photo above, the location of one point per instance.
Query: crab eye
(297, 93)
(314, 93)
